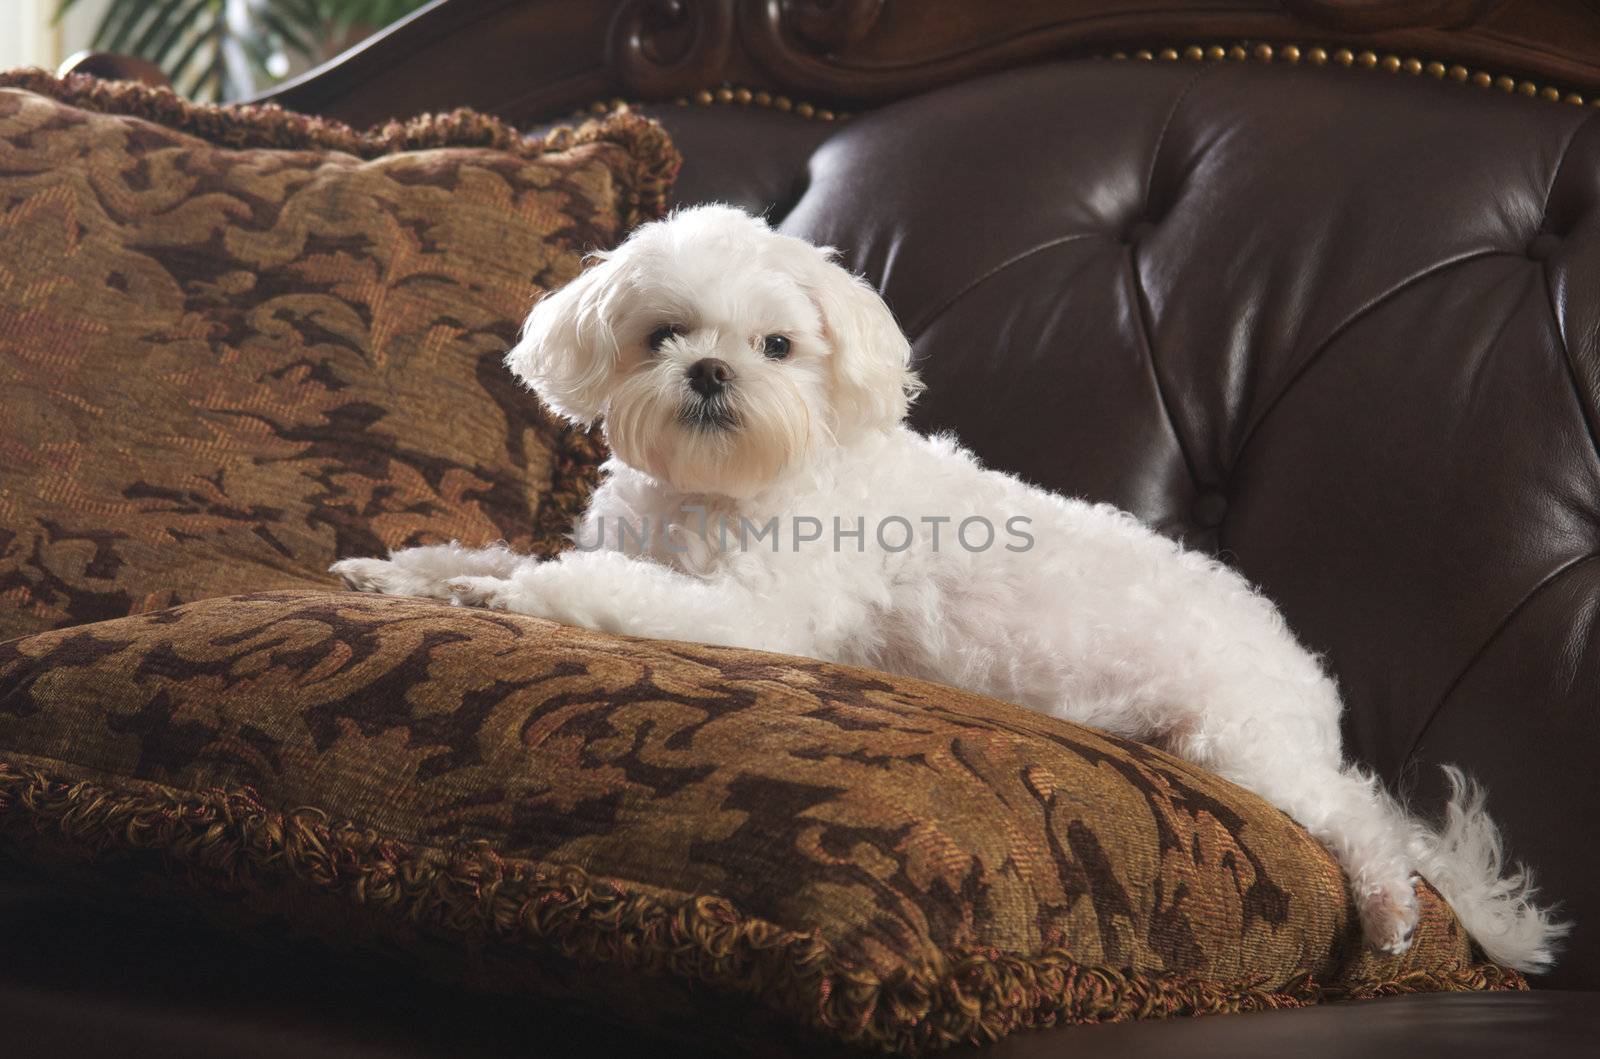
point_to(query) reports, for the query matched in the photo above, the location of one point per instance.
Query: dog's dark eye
(775, 346)
(659, 336)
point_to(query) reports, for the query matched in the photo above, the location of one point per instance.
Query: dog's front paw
(1389, 916)
(490, 593)
(389, 577)
(368, 575)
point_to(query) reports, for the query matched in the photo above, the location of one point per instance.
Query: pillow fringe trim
(252, 126)
(471, 893)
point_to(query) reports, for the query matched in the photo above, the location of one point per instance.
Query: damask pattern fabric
(237, 344)
(887, 861)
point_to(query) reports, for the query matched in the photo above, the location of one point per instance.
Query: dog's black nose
(708, 377)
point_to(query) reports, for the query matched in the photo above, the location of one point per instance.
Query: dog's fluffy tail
(1464, 860)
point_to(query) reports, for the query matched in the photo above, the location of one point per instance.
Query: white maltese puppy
(765, 492)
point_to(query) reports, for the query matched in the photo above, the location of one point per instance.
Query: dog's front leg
(615, 593)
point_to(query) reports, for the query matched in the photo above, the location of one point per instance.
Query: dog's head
(719, 354)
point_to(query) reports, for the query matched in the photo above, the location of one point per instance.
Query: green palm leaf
(115, 22)
(162, 24)
(191, 39)
(201, 39)
(295, 37)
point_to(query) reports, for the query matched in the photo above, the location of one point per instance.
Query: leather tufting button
(1544, 244)
(1209, 509)
(1139, 232)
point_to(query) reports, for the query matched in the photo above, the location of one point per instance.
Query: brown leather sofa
(1312, 286)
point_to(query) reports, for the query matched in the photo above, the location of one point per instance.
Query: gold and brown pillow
(657, 826)
(237, 343)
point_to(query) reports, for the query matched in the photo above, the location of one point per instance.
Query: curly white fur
(1101, 620)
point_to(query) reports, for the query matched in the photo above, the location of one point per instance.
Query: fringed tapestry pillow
(237, 343)
(657, 827)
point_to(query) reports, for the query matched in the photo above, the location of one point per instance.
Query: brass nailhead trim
(734, 95)
(1390, 63)
(760, 97)
(728, 95)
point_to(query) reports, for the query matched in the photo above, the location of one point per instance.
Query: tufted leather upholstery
(1340, 328)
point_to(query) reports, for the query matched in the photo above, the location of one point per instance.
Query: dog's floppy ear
(873, 380)
(568, 351)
